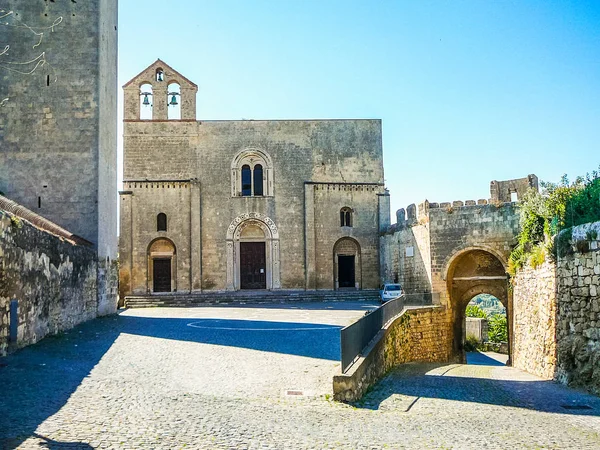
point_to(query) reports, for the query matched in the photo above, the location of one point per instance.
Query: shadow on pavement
(481, 359)
(414, 382)
(58, 445)
(37, 381)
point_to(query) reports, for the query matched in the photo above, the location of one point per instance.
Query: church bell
(173, 101)
(146, 101)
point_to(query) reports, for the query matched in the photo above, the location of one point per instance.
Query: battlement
(414, 214)
(501, 192)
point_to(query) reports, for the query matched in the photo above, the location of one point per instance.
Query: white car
(390, 291)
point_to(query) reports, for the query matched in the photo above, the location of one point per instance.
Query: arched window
(246, 180)
(174, 102)
(146, 101)
(258, 180)
(252, 174)
(345, 217)
(160, 74)
(161, 222)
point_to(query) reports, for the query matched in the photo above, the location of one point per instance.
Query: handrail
(357, 336)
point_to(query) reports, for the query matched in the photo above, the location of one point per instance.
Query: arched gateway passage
(470, 273)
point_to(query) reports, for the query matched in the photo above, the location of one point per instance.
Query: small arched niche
(174, 101)
(146, 102)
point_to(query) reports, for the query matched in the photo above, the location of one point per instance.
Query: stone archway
(347, 265)
(253, 228)
(472, 272)
(161, 266)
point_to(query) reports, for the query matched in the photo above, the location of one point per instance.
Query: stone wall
(54, 281)
(58, 128)
(534, 320)
(406, 258)
(500, 191)
(557, 318)
(419, 334)
(477, 327)
(578, 320)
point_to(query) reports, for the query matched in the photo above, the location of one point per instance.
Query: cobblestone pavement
(231, 378)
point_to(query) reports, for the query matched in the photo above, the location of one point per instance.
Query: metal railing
(357, 336)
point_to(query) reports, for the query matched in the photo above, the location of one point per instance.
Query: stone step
(147, 301)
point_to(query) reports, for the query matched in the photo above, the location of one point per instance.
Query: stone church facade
(244, 204)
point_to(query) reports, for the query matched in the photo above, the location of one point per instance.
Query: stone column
(275, 264)
(195, 237)
(230, 266)
(125, 246)
(309, 237)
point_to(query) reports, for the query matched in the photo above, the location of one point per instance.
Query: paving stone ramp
(183, 300)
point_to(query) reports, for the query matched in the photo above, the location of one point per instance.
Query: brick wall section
(534, 326)
(420, 334)
(54, 281)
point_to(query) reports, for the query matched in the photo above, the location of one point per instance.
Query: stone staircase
(247, 297)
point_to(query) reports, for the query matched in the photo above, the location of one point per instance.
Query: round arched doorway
(471, 273)
(347, 273)
(253, 253)
(162, 266)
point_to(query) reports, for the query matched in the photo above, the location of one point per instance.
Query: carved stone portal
(253, 227)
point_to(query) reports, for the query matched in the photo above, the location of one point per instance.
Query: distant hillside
(490, 304)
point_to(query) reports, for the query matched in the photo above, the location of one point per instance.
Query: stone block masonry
(53, 279)
(557, 319)
(534, 306)
(418, 334)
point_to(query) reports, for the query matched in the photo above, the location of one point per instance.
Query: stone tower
(58, 120)
(58, 124)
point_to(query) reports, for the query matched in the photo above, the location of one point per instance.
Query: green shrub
(538, 256)
(498, 328)
(471, 343)
(560, 206)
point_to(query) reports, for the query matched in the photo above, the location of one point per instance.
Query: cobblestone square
(260, 377)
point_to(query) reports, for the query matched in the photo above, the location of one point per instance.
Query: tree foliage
(559, 206)
(475, 311)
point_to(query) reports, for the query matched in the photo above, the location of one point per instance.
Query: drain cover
(576, 407)
(294, 393)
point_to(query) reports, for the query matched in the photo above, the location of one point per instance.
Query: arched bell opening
(174, 101)
(146, 102)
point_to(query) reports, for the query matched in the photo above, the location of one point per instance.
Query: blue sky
(468, 91)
